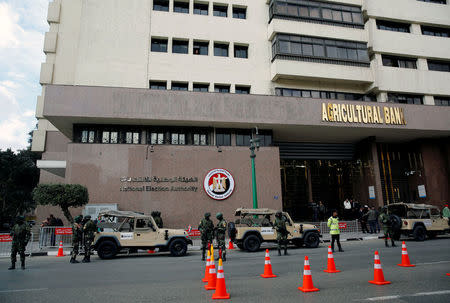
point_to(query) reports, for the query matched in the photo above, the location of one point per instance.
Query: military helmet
(78, 219)
(20, 219)
(278, 214)
(219, 216)
(88, 217)
(153, 214)
(207, 215)
(158, 213)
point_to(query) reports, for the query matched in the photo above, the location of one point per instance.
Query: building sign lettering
(367, 114)
(157, 184)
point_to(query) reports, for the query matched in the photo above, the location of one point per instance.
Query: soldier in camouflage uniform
(89, 230)
(206, 228)
(157, 217)
(20, 234)
(221, 229)
(282, 232)
(77, 236)
(387, 227)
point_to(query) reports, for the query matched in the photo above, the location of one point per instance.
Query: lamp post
(254, 144)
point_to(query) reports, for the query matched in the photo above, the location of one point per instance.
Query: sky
(23, 24)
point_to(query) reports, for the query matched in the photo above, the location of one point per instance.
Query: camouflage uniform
(20, 234)
(158, 219)
(206, 228)
(387, 228)
(89, 229)
(221, 229)
(282, 232)
(77, 236)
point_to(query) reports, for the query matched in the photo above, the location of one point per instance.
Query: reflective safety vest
(333, 224)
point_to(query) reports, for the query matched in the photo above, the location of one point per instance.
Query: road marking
(420, 294)
(430, 263)
(19, 290)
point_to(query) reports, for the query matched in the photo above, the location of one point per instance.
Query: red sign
(193, 232)
(63, 231)
(5, 238)
(342, 225)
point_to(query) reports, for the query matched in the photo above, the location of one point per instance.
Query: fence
(50, 236)
(5, 245)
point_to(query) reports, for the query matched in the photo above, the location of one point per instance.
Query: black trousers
(335, 238)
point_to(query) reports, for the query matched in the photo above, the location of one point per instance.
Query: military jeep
(127, 231)
(417, 220)
(250, 230)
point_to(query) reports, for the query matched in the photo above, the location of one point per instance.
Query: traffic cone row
(216, 281)
(60, 250)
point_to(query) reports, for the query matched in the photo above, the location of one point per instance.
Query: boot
(224, 256)
(73, 260)
(13, 266)
(203, 253)
(393, 244)
(341, 250)
(279, 252)
(22, 265)
(386, 244)
(85, 260)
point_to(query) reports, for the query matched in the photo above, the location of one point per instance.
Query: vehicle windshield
(111, 223)
(398, 210)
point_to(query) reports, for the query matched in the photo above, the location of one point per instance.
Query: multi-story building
(142, 98)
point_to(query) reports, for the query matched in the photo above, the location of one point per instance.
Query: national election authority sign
(218, 184)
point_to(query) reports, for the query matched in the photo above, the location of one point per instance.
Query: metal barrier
(5, 245)
(50, 236)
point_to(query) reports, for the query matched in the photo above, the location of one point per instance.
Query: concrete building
(141, 99)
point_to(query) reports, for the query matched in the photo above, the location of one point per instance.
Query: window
(265, 138)
(110, 137)
(178, 139)
(435, 1)
(201, 8)
(220, 10)
(200, 139)
(180, 86)
(435, 31)
(240, 51)
(181, 7)
(180, 46)
(87, 136)
(198, 87)
(159, 45)
(243, 138)
(405, 99)
(132, 137)
(223, 138)
(289, 92)
(289, 46)
(221, 88)
(442, 101)
(201, 48)
(161, 5)
(158, 85)
(399, 62)
(156, 138)
(239, 12)
(242, 90)
(220, 49)
(393, 26)
(441, 66)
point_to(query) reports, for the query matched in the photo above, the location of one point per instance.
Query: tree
(62, 195)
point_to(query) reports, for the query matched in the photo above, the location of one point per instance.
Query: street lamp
(254, 144)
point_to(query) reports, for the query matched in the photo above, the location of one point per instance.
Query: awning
(52, 166)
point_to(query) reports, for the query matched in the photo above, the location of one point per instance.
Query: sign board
(194, 232)
(267, 231)
(342, 225)
(126, 236)
(422, 192)
(5, 238)
(63, 231)
(372, 192)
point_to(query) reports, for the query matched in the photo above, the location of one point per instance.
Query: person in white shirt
(347, 209)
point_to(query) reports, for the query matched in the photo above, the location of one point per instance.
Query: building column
(415, 29)
(376, 173)
(422, 64)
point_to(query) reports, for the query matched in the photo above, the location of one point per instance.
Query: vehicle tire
(396, 222)
(107, 250)
(232, 231)
(252, 243)
(298, 242)
(311, 240)
(178, 247)
(419, 233)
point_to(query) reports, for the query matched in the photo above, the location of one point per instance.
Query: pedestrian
(52, 222)
(377, 223)
(77, 235)
(221, 229)
(315, 212)
(158, 219)
(387, 227)
(363, 219)
(333, 224)
(446, 212)
(371, 218)
(20, 234)
(347, 209)
(322, 211)
(282, 232)
(89, 230)
(206, 228)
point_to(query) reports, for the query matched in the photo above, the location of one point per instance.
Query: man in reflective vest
(333, 224)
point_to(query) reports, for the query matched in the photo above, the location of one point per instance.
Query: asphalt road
(161, 278)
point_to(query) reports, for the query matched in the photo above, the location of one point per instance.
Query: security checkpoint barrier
(5, 245)
(50, 236)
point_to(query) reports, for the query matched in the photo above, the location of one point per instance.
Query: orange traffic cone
(268, 267)
(307, 278)
(151, 251)
(230, 245)
(60, 250)
(212, 279)
(221, 289)
(208, 259)
(331, 266)
(378, 272)
(405, 257)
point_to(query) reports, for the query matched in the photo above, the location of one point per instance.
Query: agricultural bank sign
(367, 114)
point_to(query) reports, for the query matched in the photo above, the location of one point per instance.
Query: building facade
(142, 99)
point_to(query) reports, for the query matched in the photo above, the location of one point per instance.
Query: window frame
(158, 4)
(178, 43)
(158, 85)
(201, 45)
(238, 49)
(220, 46)
(237, 14)
(156, 42)
(220, 10)
(197, 3)
(222, 88)
(179, 86)
(181, 9)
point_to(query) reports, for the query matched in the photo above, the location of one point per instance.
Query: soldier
(89, 230)
(158, 219)
(221, 228)
(206, 228)
(282, 232)
(387, 227)
(77, 235)
(266, 221)
(20, 234)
